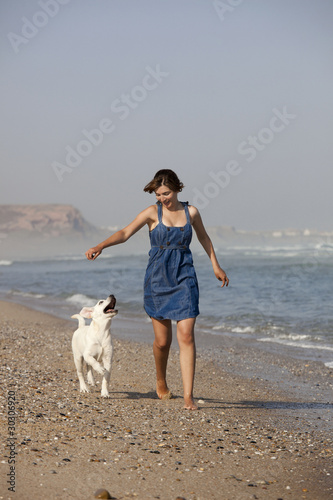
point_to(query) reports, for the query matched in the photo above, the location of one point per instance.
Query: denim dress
(170, 286)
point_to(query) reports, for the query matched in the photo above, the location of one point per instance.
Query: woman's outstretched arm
(206, 242)
(144, 217)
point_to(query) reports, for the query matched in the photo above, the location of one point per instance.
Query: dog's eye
(100, 302)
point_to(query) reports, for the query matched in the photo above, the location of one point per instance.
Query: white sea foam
(275, 327)
(243, 329)
(78, 257)
(324, 246)
(218, 327)
(28, 294)
(6, 262)
(295, 337)
(329, 364)
(81, 300)
(281, 251)
(293, 343)
(69, 257)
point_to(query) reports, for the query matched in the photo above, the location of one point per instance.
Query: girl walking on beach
(170, 285)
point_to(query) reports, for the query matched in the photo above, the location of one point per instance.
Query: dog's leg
(79, 368)
(90, 375)
(91, 361)
(107, 362)
(105, 383)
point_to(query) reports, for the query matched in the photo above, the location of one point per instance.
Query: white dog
(93, 343)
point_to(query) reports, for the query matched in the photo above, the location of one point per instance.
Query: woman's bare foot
(189, 404)
(162, 391)
(167, 395)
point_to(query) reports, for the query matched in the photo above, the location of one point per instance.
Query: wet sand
(263, 429)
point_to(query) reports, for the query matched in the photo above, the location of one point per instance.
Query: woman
(170, 285)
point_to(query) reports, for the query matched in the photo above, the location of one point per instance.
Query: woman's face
(167, 197)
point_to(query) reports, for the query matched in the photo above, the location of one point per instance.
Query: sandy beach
(263, 429)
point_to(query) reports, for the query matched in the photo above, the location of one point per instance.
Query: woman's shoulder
(150, 209)
(153, 208)
(192, 210)
(150, 212)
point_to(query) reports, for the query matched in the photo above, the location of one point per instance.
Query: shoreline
(64, 310)
(263, 428)
(276, 363)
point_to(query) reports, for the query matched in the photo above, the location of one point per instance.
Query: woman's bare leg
(161, 348)
(187, 353)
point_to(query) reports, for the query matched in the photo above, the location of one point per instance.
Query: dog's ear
(86, 312)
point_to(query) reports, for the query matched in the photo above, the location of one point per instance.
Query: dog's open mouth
(110, 308)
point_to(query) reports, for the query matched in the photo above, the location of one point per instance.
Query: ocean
(278, 298)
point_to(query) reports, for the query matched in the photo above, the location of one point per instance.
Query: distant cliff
(54, 220)
(37, 231)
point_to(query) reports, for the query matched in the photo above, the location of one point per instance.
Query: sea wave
(81, 300)
(79, 257)
(243, 329)
(324, 246)
(68, 257)
(283, 251)
(30, 295)
(6, 262)
(219, 327)
(296, 337)
(296, 343)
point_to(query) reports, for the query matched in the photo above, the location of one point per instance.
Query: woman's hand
(93, 253)
(221, 276)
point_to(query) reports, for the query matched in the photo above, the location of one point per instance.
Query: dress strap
(188, 220)
(159, 211)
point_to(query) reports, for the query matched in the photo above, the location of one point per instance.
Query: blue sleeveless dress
(170, 286)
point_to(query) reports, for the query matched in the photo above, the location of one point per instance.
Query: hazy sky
(235, 96)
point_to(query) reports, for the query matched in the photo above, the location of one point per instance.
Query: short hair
(167, 178)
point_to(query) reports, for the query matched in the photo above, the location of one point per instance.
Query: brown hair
(167, 178)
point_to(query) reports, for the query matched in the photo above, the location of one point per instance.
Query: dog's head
(104, 309)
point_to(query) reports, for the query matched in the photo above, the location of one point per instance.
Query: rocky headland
(45, 230)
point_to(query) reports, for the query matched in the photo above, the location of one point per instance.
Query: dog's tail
(80, 319)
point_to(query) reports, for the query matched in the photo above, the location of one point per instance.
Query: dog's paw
(105, 395)
(84, 389)
(101, 370)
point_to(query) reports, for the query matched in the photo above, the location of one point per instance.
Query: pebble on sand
(101, 493)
